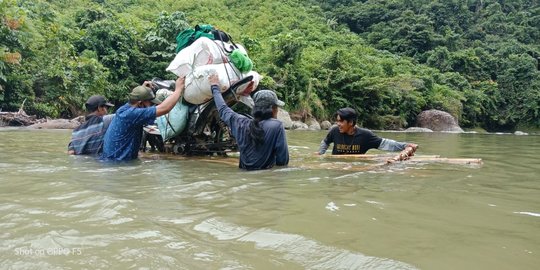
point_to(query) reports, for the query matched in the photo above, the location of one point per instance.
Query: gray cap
(266, 98)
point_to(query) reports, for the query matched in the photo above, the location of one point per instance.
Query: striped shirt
(87, 139)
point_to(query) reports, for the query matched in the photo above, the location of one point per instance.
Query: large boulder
(437, 121)
(299, 125)
(285, 118)
(326, 125)
(313, 124)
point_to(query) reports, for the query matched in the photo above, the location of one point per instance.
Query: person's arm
(107, 119)
(282, 149)
(325, 143)
(391, 145)
(226, 114)
(323, 147)
(168, 104)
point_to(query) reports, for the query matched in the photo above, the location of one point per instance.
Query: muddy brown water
(167, 212)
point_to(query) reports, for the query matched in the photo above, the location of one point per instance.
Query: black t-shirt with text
(358, 143)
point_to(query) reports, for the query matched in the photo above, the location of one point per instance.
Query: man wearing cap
(123, 138)
(261, 140)
(87, 139)
(350, 139)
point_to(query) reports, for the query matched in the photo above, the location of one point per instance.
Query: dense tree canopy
(493, 44)
(476, 59)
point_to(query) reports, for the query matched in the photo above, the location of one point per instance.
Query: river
(168, 212)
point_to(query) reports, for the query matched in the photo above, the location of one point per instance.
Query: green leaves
(492, 44)
(470, 58)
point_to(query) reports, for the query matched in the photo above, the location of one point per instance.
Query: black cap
(95, 102)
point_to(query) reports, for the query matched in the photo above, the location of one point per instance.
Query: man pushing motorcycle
(123, 137)
(261, 140)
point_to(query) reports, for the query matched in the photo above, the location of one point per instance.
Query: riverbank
(21, 119)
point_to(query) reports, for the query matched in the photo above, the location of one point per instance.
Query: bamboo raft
(415, 158)
(331, 162)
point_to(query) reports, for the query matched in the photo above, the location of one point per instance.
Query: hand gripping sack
(198, 90)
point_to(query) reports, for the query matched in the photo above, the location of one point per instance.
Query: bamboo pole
(463, 161)
(373, 157)
(316, 164)
(415, 158)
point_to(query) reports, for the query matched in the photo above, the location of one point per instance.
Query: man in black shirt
(349, 139)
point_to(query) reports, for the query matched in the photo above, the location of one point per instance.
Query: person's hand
(148, 84)
(405, 154)
(213, 79)
(413, 146)
(317, 153)
(180, 84)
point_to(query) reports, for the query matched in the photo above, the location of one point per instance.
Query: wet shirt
(87, 139)
(123, 137)
(358, 143)
(274, 151)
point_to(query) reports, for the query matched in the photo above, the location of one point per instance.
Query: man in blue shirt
(261, 140)
(124, 135)
(87, 139)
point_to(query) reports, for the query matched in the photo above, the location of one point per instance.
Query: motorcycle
(205, 133)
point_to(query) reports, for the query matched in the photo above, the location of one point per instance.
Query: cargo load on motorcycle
(193, 125)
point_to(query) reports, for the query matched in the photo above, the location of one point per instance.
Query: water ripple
(306, 252)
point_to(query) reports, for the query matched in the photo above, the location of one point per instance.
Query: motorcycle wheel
(219, 137)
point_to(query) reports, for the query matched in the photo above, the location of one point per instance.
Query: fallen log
(19, 118)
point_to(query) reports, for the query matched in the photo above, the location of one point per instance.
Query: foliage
(494, 44)
(477, 60)
(11, 43)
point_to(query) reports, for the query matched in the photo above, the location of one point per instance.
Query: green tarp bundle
(186, 37)
(241, 61)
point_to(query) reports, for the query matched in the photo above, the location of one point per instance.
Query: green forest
(479, 60)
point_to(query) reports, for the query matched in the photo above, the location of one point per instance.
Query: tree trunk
(19, 118)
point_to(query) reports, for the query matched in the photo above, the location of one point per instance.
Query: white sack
(202, 51)
(198, 91)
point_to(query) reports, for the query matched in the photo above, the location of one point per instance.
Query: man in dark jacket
(261, 140)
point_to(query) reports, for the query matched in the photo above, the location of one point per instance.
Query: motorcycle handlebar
(158, 83)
